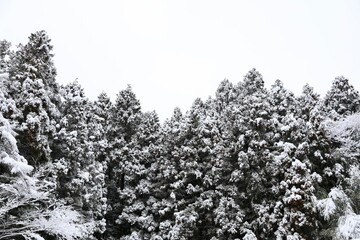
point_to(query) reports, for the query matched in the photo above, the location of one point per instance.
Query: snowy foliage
(250, 163)
(26, 207)
(346, 131)
(342, 99)
(349, 227)
(33, 88)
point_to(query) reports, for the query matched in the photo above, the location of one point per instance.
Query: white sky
(174, 51)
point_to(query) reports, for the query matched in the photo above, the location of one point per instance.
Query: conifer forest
(248, 163)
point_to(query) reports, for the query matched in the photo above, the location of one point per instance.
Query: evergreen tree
(166, 170)
(27, 207)
(4, 55)
(137, 212)
(99, 126)
(188, 186)
(225, 95)
(342, 98)
(340, 208)
(307, 102)
(242, 179)
(251, 163)
(81, 178)
(283, 102)
(33, 87)
(122, 160)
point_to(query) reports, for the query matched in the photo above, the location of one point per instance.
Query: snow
(16, 163)
(285, 128)
(247, 167)
(288, 147)
(337, 194)
(327, 207)
(17, 167)
(64, 222)
(292, 195)
(318, 154)
(32, 236)
(348, 227)
(85, 176)
(346, 130)
(297, 164)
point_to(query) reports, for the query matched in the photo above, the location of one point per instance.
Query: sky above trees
(250, 163)
(174, 52)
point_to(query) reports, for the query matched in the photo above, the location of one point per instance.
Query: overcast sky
(172, 52)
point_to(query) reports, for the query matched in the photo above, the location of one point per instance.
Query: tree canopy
(248, 163)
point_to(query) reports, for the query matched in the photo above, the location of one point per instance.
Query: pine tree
(122, 160)
(27, 207)
(99, 126)
(242, 173)
(33, 87)
(251, 163)
(283, 102)
(340, 208)
(166, 170)
(81, 178)
(137, 212)
(225, 95)
(342, 98)
(4, 55)
(189, 185)
(307, 102)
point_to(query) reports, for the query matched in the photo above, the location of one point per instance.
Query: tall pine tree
(32, 85)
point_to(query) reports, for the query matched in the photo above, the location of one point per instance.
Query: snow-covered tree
(307, 102)
(282, 100)
(81, 178)
(166, 170)
(27, 207)
(225, 95)
(122, 158)
(334, 155)
(341, 208)
(136, 196)
(4, 55)
(250, 163)
(342, 99)
(99, 125)
(33, 87)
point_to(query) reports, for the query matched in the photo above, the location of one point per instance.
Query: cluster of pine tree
(250, 163)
